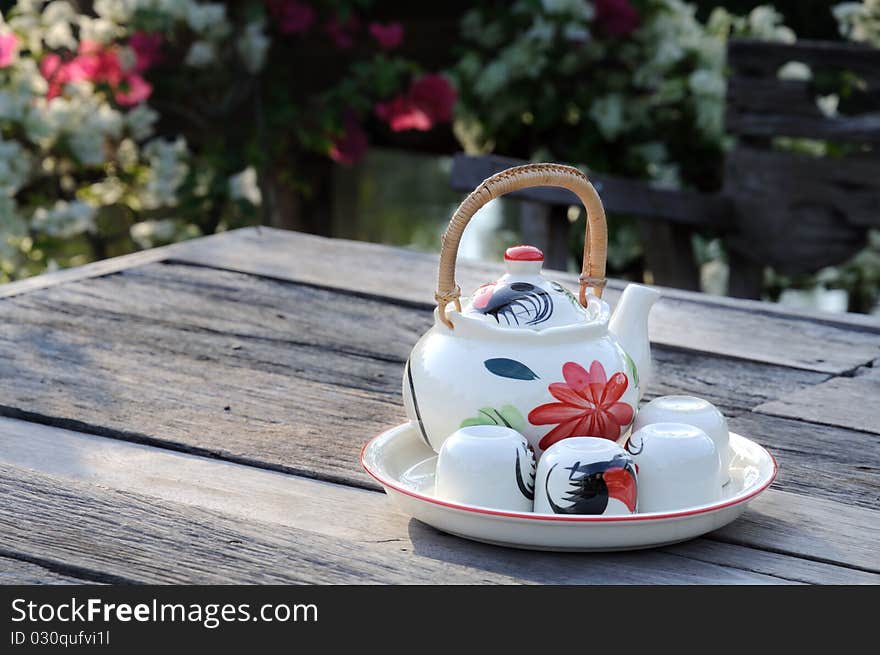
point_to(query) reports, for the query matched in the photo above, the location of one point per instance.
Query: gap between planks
(363, 516)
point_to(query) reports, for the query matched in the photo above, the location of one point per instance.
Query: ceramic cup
(678, 467)
(486, 465)
(692, 411)
(585, 475)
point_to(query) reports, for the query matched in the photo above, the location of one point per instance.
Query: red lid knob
(523, 254)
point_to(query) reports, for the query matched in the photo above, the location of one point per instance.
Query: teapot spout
(629, 324)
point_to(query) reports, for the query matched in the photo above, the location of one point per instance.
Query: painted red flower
(388, 36)
(616, 17)
(588, 405)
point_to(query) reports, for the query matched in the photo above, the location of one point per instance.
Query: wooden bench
(795, 213)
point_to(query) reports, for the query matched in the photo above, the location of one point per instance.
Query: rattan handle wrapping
(513, 179)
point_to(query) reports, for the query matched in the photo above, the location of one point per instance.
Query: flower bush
(634, 88)
(131, 123)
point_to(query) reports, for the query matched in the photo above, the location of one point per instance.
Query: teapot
(524, 352)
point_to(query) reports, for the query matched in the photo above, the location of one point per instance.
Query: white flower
(99, 30)
(859, 21)
(764, 22)
(577, 8)
(167, 172)
(208, 19)
(39, 127)
(607, 111)
(795, 70)
(707, 83)
(108, 191)
(117, 11)
(146, 233)
(140, 121)
(127, 154)
(828, 104)
(87, 146)
(65, 219)
(201, 54)
(253, 45)
(244, 186)
(15, 167)
(12, 105)
(56, 20)
(541, 30)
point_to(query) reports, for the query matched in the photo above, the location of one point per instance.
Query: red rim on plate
(570, 519)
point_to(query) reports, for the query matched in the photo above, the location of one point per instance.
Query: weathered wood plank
(767, 183)
(618, 194)
(771, 95)
(756, 57)
(125, 537)
(358, 515)
(846, 402)
(15, 572)
(103, 267)
(250, 369)
(787, 567)
(731, 384)
(818, 460)
(857, 129)
(132, 537)
(829, 344)
(818, 529)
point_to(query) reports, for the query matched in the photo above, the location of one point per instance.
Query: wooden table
(193, 414)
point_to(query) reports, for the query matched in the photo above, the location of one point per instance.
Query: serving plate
(404, 465)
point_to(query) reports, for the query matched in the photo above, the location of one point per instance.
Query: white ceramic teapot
(523, 351)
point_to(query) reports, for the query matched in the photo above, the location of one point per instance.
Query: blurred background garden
(128, 124)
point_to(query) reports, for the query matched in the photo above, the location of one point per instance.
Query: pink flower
(342, 32)
(430, 100)
(435, 95)
(99, 65)
(588, 405)
(293, 17)
(8, 48)
(134, 90)
(350, 147)
(616, 17)
(147, 49)
(96, 64)
(401, 114)
(389, 36)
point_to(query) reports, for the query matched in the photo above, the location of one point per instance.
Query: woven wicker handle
(514, 179)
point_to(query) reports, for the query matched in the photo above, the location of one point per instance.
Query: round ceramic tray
(402, 463)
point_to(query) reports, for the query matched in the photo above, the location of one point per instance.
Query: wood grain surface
(217, 394)
(359, 516)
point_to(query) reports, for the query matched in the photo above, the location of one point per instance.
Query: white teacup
(678, 467)
(486, 465)
(692, 411)
(585, 475)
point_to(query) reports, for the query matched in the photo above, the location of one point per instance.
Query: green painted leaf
(509, 368)
(634, 372)
(508, 416)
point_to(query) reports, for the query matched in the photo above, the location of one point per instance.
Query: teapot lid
(523, 298)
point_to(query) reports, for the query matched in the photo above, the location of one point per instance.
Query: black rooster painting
(591, 485)
(519, 303)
